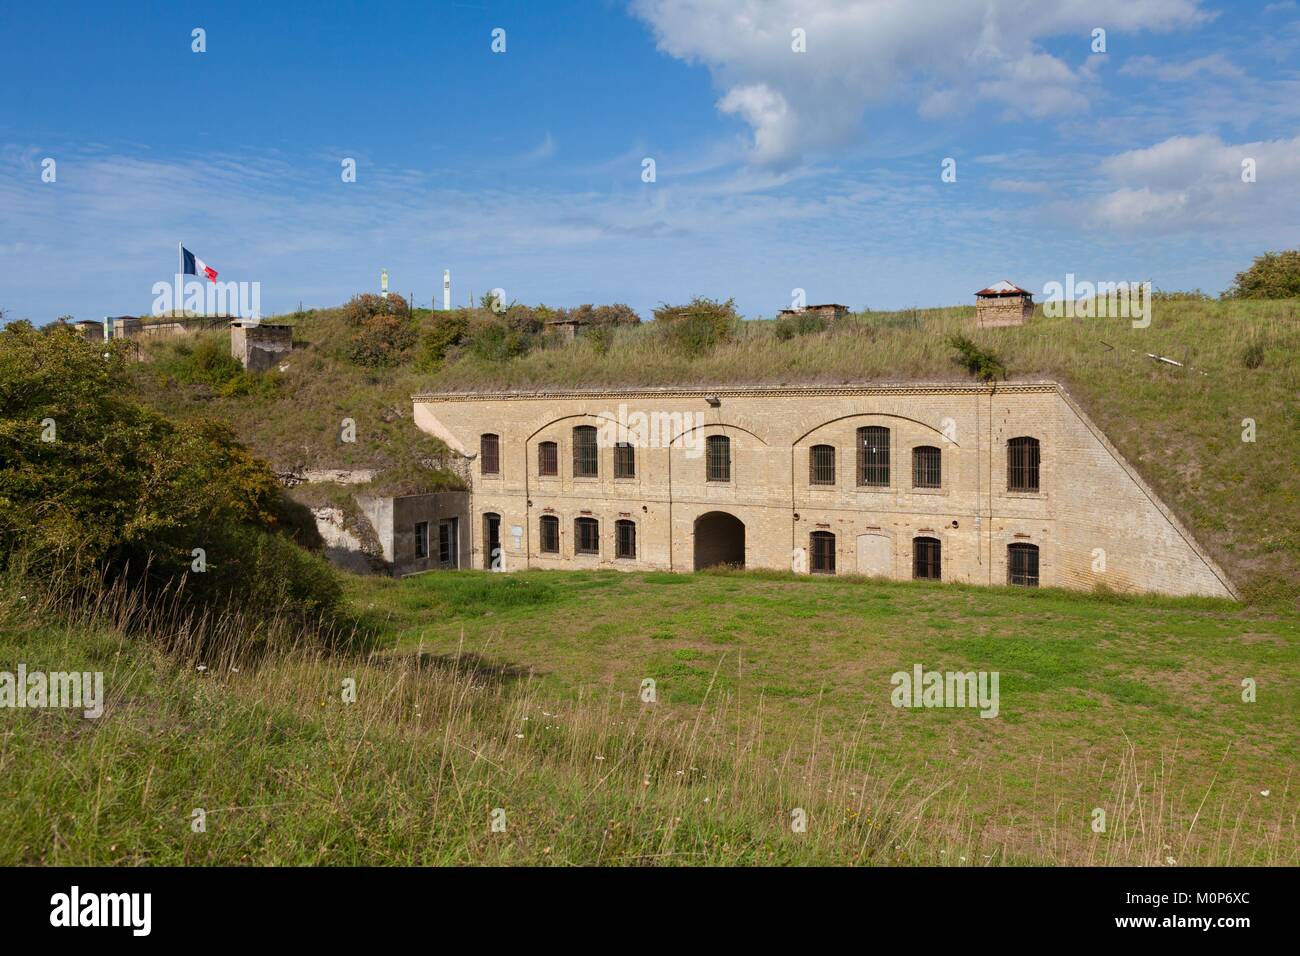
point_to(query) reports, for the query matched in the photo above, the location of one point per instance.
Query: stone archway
(719, 539)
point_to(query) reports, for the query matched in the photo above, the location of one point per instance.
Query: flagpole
(180, 276)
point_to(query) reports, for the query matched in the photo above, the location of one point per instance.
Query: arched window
(624, 460)
(821, 547)
(821, 465)
(549, 539)
(927, 467)
(717, 458)
(1022, 564)
(625, 539)
(489, 454)
(927, 559)
(873, 456)
(548, 459)
(586, 536)
(585, 461)
(1022, 464)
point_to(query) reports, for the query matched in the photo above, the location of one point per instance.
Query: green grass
(523, 692)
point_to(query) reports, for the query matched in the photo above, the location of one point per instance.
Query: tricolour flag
(195, 266)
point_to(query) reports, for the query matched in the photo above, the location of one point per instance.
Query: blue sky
(775, 169)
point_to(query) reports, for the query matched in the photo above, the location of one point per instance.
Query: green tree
(93, 483)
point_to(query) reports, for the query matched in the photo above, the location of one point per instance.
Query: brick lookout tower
(1002, 304)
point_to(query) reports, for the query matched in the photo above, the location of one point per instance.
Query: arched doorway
(719, 539)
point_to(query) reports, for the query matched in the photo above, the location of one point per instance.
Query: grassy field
(520, 696)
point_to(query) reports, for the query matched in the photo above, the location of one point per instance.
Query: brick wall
(995, 311)
(1089, 499)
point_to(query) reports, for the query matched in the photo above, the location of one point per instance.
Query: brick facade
(1091, 510)
(997, 311)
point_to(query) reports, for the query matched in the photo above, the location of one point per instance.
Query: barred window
(718, 458)
(550, 534)
(625, 539)
(548, 459)
(489, 450)
(624, 460)
(822, 548)
(586, 536)
(873, 456)
(1022, 464)
(422, 539)
(821, 465)
(584, 452)
(1022, 565)
(927, 467)
(927, 558)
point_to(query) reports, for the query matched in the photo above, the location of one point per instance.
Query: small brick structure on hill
(1002, 304)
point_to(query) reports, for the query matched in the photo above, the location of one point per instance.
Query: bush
(1253, 355)
(94, 484)
(494, 340)
(445, 332)
(381, 341)
(801, 323)
(695, 328)
(256, 571)
(368, 305)
(1274, 275)
(603, 315)
(385, 329)
(980, 362)
(204, 361)
(601, 338)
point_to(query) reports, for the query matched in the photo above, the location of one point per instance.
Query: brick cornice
(742, 391)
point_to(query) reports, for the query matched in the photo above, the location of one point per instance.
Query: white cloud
(1214, 64)
(944, 54)
(1195, 182)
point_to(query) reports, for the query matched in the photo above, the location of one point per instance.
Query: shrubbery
(207, 361)
(445, 331)
(980, 362)
(695, 328)
(801, 323)
(1274, 275)
(497, 339)
(384, 328)
(95, 485)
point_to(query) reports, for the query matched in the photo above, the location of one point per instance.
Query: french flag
(195, 266)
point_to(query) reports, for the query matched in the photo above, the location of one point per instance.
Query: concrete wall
(342, 547)
(259, 347)
(394, 520)
(1091, 507)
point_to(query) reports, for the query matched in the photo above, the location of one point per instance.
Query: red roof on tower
(1005, 287)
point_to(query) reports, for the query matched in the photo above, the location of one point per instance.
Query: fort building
(1006, 483)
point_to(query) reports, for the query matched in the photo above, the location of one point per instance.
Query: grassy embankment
(1181, 427)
